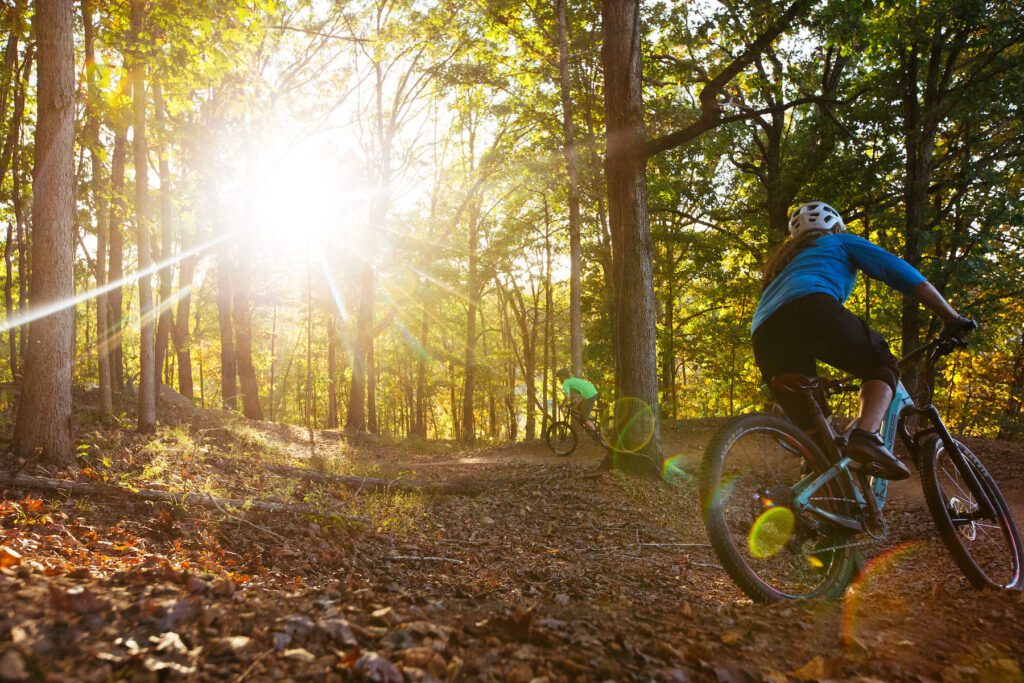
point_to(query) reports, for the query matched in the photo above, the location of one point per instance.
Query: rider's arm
(953, 324)
(935, 302)
(881, 265)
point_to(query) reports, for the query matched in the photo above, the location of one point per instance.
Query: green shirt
(580, 386)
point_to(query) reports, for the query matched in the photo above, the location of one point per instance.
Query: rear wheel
(985, 545)
(561, 438)
(772, 552)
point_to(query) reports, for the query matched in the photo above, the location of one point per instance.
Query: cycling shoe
(868, 449)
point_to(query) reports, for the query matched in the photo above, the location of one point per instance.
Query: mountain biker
(801, 319)
(583, 395)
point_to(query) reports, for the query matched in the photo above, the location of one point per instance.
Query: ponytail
(785, 253)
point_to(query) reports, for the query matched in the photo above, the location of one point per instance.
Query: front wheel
(986, 545)
(561, 438)
(772, 551)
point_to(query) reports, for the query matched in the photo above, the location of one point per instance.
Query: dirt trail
(554, 573)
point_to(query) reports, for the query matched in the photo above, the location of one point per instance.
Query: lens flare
(770, 532)
(634, 421)
(862, 602)
(673, 469)
(43, 310)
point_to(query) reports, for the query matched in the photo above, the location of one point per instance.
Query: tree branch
(711, 113)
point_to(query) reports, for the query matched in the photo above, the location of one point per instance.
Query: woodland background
(400, 217)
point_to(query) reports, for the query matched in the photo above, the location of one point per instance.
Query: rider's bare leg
(875, 396)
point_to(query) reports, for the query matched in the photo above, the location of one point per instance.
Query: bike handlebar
(943, 343)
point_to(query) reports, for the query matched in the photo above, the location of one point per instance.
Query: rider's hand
(958, 328)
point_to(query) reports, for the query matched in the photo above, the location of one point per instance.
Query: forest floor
(552, 572)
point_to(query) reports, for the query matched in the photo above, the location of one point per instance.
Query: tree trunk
(15, 228)
(420, 425)
(12, 334)
(355, 421)
(166, 320)
(548, 370)
(333, 343)
(115, 298)
(100, 207)
(372, 425)
(668, 362)
(44, 421)
(636, 371)
(569, 150)
(918, 146)
(179, 330)
(228, 365)
(148, 369)
(241, 318)
(472, 288)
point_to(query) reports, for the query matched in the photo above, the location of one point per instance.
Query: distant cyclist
(582, 394)
(801, 319)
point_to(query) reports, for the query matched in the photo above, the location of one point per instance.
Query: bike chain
(875, 538)
(859, 544)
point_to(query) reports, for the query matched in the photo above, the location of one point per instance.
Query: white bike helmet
(815, 216)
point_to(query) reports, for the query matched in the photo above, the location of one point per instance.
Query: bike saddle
(795, 382)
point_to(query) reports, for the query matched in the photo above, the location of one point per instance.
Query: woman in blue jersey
(801, 319)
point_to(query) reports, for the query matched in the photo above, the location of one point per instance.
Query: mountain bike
(786, 511)
(562, 436)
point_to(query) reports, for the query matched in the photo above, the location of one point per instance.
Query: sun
(305, 198)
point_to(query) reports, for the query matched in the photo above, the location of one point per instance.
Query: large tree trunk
(100, 207)
(636, 371)
(166, 321)
(148, 370)
(44, 421)
(569, 150)
(115, 300)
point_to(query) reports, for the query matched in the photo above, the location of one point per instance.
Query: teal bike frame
(872, 492)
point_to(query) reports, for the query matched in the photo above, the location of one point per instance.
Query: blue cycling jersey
(829, 266)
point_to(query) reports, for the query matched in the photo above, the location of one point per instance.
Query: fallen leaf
(812, 671)
(12, 667)
(338, 630)
(9, 557)
(731, 637)
(300, 655)
(372, 667)
(77, 599)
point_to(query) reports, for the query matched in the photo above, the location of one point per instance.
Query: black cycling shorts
(817, 327)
